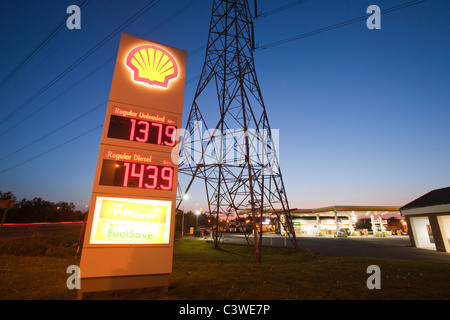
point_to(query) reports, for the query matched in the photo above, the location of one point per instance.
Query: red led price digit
(133, 127)
(139, 174)
(172, 135)
(160, 130)
(153, 176)
(144, 131)
(167, 174)
(127, 173)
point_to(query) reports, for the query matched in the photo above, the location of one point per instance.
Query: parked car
(341, 233)
(202, 232)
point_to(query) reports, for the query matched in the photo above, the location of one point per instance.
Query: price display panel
(143, 131)
(130, 126)
(136, 175)
(136, 172)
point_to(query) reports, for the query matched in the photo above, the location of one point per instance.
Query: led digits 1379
(142, 131)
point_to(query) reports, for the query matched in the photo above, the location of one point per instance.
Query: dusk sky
(363, 115)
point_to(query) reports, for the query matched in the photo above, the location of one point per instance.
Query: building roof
(338, 208)
(348, 208)
(432, 198)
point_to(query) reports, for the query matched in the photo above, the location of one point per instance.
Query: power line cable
(171, 17)
(389, 10)
(338, 25)
(287, 6)
(55, 130)
(262, 15)
(91, 73)
(82, 58)
(311, 33)
(196, 50)
(52, 149)
(19, 81)
(192, 80)
(39, 47)
(57, 97)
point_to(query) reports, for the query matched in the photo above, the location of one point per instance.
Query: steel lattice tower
(237, 160)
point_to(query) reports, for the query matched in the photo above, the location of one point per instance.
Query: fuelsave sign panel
(130, 226)
(119, 220)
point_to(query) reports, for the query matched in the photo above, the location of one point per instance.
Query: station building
(428, 219)
(335, 220)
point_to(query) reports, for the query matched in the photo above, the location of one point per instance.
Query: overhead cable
(52, 149)
(337, 25)
(39, 47)
(82, 58)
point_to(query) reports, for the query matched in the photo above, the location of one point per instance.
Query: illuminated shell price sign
(130, 227)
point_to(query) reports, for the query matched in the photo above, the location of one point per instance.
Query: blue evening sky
(364, 115)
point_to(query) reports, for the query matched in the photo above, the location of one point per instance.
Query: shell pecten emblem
(152, 65)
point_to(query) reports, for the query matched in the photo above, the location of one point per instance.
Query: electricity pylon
(234, 154)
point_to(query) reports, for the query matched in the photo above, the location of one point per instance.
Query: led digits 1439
(136, 175)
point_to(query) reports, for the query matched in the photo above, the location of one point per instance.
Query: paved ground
(391, 247)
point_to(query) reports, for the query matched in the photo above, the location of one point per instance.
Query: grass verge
(202, 273)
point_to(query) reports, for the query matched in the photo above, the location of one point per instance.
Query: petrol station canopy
(356, 211)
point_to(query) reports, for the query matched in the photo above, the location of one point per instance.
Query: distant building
(338, 220)
(428, 219)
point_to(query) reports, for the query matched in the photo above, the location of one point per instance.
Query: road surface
(390, 247)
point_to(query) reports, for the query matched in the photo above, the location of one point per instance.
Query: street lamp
(197, 213)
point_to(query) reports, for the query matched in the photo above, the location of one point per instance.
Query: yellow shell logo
(152, 65)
